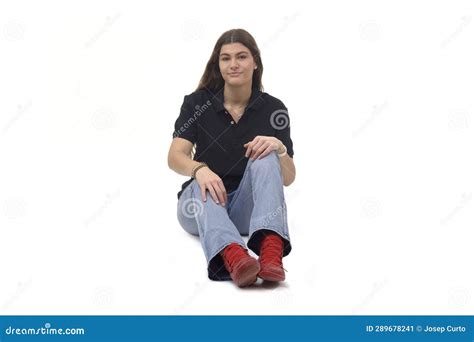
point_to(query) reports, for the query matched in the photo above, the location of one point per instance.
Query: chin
(235, 82)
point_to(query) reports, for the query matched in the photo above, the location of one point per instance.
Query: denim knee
(187, 209)
(269, 162)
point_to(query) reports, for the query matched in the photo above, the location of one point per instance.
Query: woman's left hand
(261, 146)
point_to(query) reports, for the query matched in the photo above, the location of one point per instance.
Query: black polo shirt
(219, 140)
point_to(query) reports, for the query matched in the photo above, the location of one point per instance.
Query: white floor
(104, 239)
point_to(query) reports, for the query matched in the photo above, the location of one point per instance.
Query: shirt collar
(255, 102)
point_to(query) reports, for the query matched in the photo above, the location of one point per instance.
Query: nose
(234, 64)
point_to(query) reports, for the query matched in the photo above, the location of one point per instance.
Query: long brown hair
(212, 78)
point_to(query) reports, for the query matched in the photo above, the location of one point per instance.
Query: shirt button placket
(233, 129)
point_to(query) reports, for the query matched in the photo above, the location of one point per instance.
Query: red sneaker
(271, 253)
(242, 267)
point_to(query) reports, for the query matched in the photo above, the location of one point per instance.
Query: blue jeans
(255, 208)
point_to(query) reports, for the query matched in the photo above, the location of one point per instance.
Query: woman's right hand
(210, 181)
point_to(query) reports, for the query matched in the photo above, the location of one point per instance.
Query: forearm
(181, 163)
(288, 169)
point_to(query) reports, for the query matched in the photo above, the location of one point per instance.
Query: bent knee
(270, 161)
(192, 231)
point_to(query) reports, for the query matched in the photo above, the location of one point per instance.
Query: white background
(380, 96)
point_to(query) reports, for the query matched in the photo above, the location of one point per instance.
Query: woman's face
(236, 64)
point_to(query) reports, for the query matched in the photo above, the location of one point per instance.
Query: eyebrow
(237, 53)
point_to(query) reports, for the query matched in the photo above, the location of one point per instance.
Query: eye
(242, 57)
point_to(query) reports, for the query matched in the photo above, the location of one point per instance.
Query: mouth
(234, 74)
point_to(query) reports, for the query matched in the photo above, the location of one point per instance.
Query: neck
(237, 96)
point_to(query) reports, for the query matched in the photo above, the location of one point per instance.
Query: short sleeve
(185, 126)
(280, 121)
